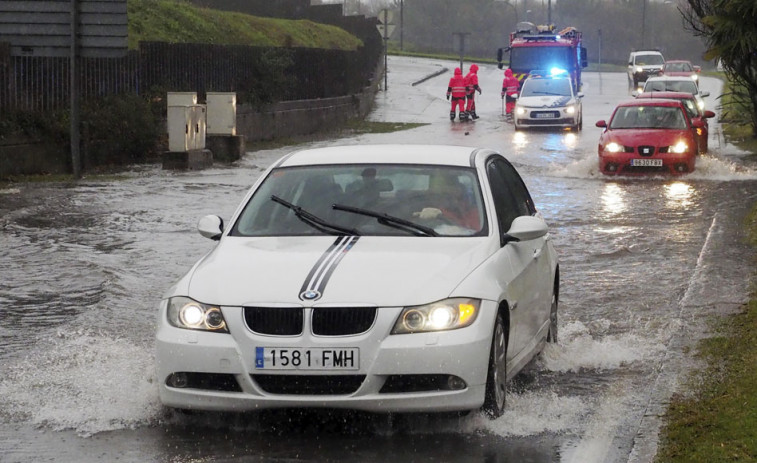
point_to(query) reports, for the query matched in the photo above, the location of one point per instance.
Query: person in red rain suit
(510, 87)
(471, 83)
(456, 89)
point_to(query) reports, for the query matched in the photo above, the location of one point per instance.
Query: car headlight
(613, 147)
(700, 104)
(694, 76)
(639, 69)
(680, 147)
(520, 110)
(187, 313)
(449, 314)
(570, 109)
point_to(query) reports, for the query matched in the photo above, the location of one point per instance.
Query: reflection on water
(613, 200)
(679, 195)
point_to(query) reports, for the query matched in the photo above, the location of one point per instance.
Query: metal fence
(42, 83)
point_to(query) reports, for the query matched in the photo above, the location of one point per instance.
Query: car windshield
(385, 200)
(677, 67)
(537, 87)
(649, 60)
(686, 86)
(648, 117)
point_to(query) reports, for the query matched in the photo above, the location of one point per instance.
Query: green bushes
(120, 129)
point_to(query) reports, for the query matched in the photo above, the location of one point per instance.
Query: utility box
(179, 120)
(222, 113)
(186, 126)
(199, 125)
(181, 98)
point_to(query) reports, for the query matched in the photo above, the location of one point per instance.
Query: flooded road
(645, 264)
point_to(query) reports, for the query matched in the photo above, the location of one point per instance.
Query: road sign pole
(74, 90)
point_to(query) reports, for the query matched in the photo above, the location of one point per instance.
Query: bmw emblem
(310, 295)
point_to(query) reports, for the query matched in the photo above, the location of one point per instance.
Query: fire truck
(540, 47)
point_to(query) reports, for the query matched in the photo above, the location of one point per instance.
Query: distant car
(648, 136)
(675, 84)
(681, 68)
(641, 65)
(387, 278)
(548, 100)
(695, 113)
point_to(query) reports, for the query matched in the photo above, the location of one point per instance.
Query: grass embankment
(181, 22)
(718, 422)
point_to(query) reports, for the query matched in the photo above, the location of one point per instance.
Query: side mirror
(500, 52)
(708, 114)
(601, 123)
(704, 94)
(526, 228)
(580, 95)
(211, 226)
(635, 93)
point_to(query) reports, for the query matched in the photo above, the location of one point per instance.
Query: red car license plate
(646, 162)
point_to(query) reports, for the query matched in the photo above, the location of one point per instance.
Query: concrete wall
(291, 118)
(20, 156)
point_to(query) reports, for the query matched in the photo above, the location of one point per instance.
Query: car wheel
(496, 379)
(552, 334)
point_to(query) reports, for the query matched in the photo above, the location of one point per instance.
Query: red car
(692, 108)
(648, 136)
(679, 67)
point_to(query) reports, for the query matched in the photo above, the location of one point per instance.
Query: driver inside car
(453, 205)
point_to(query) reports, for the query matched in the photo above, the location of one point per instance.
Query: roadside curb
(430, 76)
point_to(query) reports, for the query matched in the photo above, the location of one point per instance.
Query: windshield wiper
(315, 221)
(390, 220)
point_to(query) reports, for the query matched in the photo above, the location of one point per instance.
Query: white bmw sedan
(386, 278)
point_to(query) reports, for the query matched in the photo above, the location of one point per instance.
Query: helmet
(474, 68)
(458, 72)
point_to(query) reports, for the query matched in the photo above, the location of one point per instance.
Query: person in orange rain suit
(471, 83)
(456, 88)
(510, 87)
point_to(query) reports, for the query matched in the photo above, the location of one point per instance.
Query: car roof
(668, 95)
(461, 156)
(646, 52)
(651, 102)
(677, 61)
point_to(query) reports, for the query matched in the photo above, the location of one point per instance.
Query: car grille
(326, 321)
(274, 320)
(309, 384)
(645, 150)
(341, 321)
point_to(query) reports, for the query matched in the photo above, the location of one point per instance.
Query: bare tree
(730, 31)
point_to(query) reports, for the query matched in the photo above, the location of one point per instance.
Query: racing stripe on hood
(316, 281)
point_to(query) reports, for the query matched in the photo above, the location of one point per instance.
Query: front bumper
(557, 117)
(397, 373)
(621, 164)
